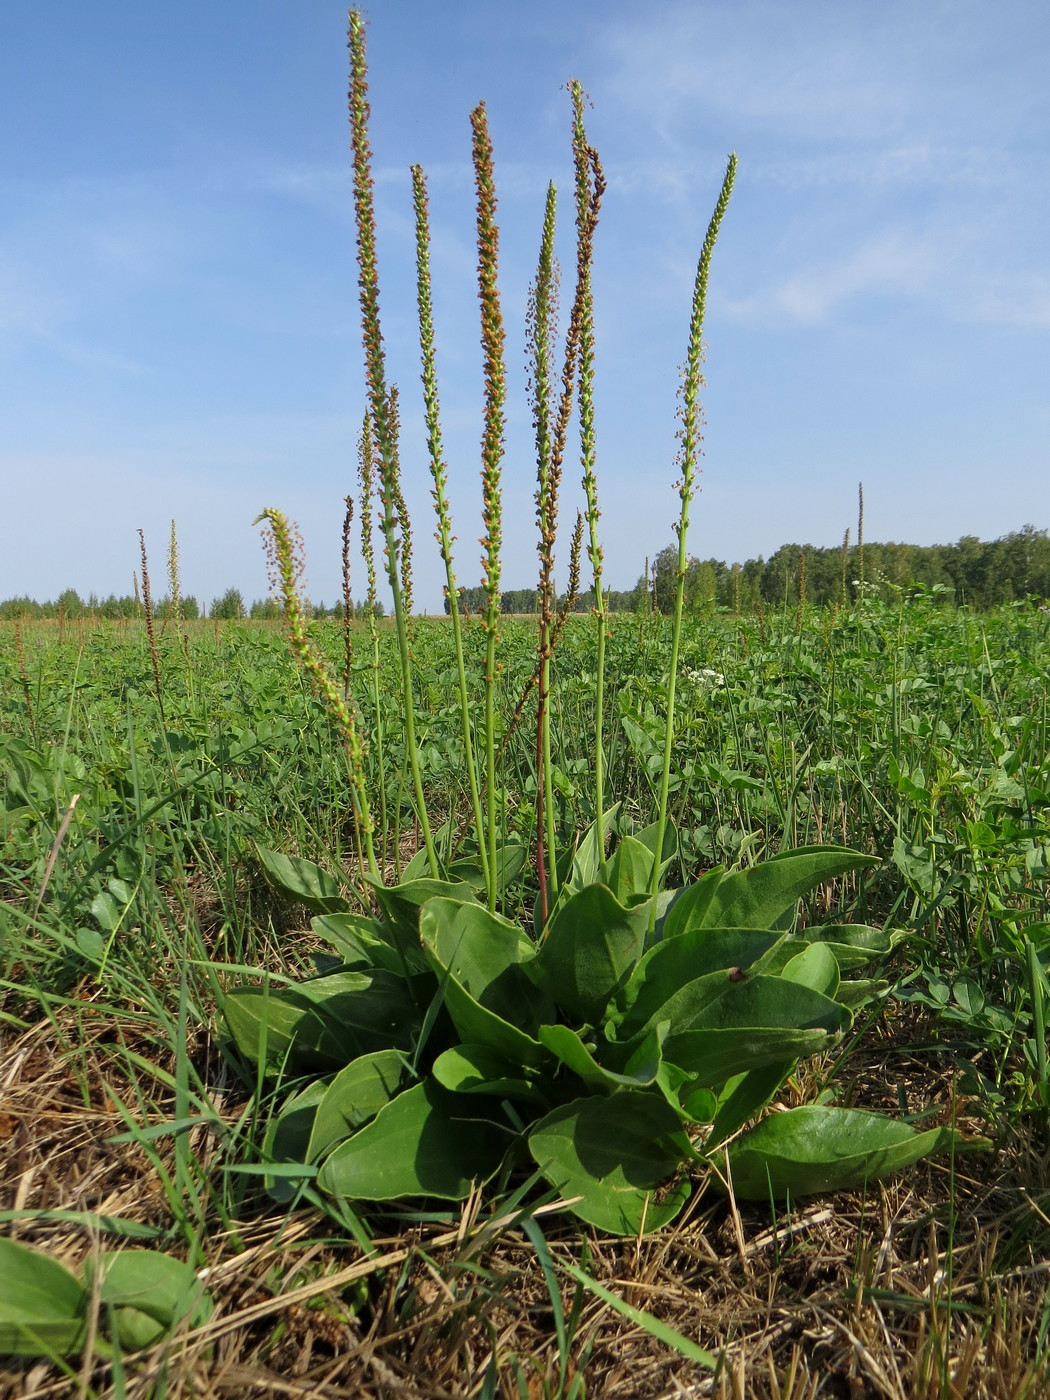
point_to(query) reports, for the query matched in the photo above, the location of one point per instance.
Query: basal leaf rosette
(617, 1051)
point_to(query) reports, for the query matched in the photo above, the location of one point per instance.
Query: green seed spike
(690, 440)
(439, 473)
(492, 340)
(285, 568)
(542, 314)
(590, 186)
(383, 403)
(366, 474)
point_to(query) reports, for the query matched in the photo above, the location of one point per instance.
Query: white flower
(706, 679)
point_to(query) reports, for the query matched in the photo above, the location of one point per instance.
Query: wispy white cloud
(891, 154)
(753, 64)
(1019, 300)
(958, 272)
(916, 165)
(894, 94)
(890, 265)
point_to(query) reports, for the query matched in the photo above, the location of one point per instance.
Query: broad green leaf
(673, 964)
(425, 1142)
(647, 836)
(619, 1155)
(767, 1002)
(916, 863)
(689, 907)
(744, 1098)
(287, 1138)
(418, 868)
(42, 1305)
(511, 859)
(353, 1097)
(630, 869)
(374, 1007)
(582, 866)
(567, 1045)
(107, 911)
(644, 1069)
(592, 944)
(282, 1028)
(854, 945)
(478, 1026)
(357, 941)
(302, 881)
(483, 951)
(510, 862)
(401, 905)
(816, 1148)
(858, 992)
(150, 1293)
(814, 967)
(468, 869)
(479, 958)
(712, 1057)
(968, 996)
(681, 1011)
(324, 1022)
(91, 944)
(766, 895)
(475, 1069)
(699, 1105)
(11, 819)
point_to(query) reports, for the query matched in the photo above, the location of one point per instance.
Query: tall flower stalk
(551, 439)
(175, 598)
(444, 535)
(151, 630)
(542, 314)
(366, 474)
(860, 536)
(492, 342)
(284, 577)
(383, 407)
(690, 437)
(348, 597)
(590, 185)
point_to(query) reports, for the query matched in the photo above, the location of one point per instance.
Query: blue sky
(178, 319)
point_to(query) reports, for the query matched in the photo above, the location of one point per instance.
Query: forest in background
(971, 572)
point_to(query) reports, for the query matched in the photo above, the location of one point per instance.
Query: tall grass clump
(596, 1047)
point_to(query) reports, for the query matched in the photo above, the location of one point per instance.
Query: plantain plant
(626, 1039)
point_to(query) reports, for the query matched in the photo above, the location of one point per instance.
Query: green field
(608, 1004)
(134, 899)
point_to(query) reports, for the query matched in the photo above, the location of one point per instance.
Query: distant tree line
(973, 572)
(977, 573)
(228, 608)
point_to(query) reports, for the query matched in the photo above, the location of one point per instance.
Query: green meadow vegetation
(610, 1002)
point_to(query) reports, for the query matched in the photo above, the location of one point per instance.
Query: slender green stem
(439, 472)
(590, 182)
(551, 437)
(394, 522)
(348, 601)
(542, 309)
(366, 471)
(492, 340)
(285, 568)
(383, 404)
(690, 414)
